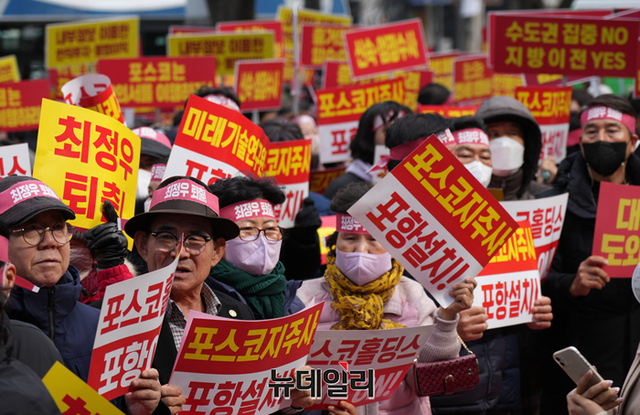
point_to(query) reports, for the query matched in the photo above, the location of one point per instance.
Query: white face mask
(362, 268)
(256, 258)
(480, 171)
(507, 156)
(144, 178)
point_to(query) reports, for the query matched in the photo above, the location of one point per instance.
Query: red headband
(151, 134)
(602, 112)
(403, 150)
(471, 136)
(381, 119)
(185, 190)
(4, 249)
(157, 171)
(574, 137)
(223, 100)
(349, 224)
(22, 191)
(258, 208)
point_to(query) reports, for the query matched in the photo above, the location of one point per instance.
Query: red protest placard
(258, 26)
(321, 42)
(550, 106)
(259, 84)
(449, 111)
(216, 142)
(20, 104)
(319, 179)
(386, 48)
(617, 224)
(442, 66)
(159, 82)
(561, 45)
(506, 84)
(473, 79)
(289, 163)
(435, 218)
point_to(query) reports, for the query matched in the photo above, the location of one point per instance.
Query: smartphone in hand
(575, 365)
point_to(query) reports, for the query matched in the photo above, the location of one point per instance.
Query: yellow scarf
(361, 307)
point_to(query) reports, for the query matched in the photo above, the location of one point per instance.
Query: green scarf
(265, 294)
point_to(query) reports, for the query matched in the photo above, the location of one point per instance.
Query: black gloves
(308, 215)
(106, 242)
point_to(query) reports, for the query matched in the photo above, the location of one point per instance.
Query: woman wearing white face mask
(363, 289)
(251, 266)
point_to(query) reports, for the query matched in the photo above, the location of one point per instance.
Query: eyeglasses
(34, 234)
(167, 241)
(251, 233)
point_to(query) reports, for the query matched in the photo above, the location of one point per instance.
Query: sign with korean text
(319, 180)
(386, 48)
(159, 82)
(339, 110)
(93, 91)
(73, 396)
(321, 42)
(449, 111)
(257, 26)
(9, 71)
(337, 74)
(14, 159)
(506, 84)
(87, 41)
(259, 84)
(473, 79)
(60, 76)
(531, 79)
(289, 163)
(546, 217)
(362, 366)
(236, 366)
(564, 45)
(20, 104)
(128, 330)
(435, 218)
(327, 229)
(227, 48)
(442, 66)
(550, 107)
(616, 236)
(509, 284)
(87, 158)
(216, 142)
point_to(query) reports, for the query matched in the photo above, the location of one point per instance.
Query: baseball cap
(153, 143)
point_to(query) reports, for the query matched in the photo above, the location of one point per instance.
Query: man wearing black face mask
(592, 311)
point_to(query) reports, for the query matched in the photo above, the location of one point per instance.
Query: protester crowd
(247, 267)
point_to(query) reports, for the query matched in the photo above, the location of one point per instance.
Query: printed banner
(319, 180)
(386, 48)
(550, 107)
(93, 91)
(257, 26)
(73, 396)
(362, 366)
(87, 158)
(450, 111)
(582, 46)
(322, 42)
(14, 159)
(435, 218)
(442, 66)
(546, 217)
(215, 142)
(509, 284)
(158, 81)
(617, 222)
(128, 330)
(20, 104)
(473, 79)
(237, 367)
(506, 85)
(9, 71)
(259, 84)
(87, 41)
(339, 110)
(289, 163)
(227, 48)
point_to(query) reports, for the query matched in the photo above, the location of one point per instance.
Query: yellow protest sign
(285, 15)
(87, 158)
(73, 396)
(9, 69)
(227, 48)
(87, 41)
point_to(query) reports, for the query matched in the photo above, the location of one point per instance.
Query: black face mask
(603, 157)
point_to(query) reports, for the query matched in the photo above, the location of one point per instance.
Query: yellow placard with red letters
(227, 47)
(9, 69)
(87, 158)
(87, 41)
(73, 396)
(616, 236)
